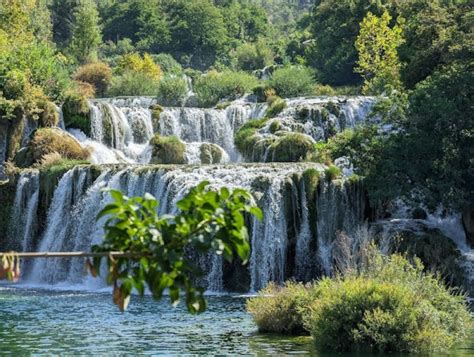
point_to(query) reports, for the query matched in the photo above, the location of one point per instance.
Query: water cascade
(302, 217)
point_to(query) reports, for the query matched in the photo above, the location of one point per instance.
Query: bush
(263, 92)
(390, 305)
(275, 106)
(172, 91)
(321, 89)
(332, 172)
(215, 86)
(167, 150)
(133, 84)
(293, 81)
(167, 63)
(97, 74)
(291, 147)
(76, 111)
(49, 116)
(252, 56)
(51, 140)
(279, 309)
(140, 65)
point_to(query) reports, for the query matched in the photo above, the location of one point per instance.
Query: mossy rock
(15, 134)
(52, 140)
(167, 150)
(275, 126)
(210, 153)
(76, 112)
(334, 108)
(156, 111)
(291, 147)
(275, 106)
(246, 137)
(438, 253)
(332, 173)
(222, 105)
(49, 117)
(262, 92)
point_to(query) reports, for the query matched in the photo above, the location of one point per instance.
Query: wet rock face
(468, 224)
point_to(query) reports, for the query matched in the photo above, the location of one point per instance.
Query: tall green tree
(377, 45)
(197, 31)
(86, 32)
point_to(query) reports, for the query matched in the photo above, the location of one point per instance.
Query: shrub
(263, 92)
(167, 63)
(167, 150)
(215, 86)
(144, 65)
(321, 89)
(291, 147)
(390, 305)
(275, 106)
(172, 91)
(133, 84)
(49, 116)
(252, 56)
(292, 81)
(98, 74)
(332, 172)
(51, 140)
(156, 110)
(76, 112)
(279, 309)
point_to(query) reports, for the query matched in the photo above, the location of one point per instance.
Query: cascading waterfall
(77, 199)
(24, 214)
(296, 237)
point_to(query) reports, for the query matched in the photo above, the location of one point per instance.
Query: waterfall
(24, 214)
(303, 258)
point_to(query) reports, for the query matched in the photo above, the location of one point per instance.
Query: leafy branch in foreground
(208, 221)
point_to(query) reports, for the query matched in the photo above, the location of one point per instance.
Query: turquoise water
(68, 322)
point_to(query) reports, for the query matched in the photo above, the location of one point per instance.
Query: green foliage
(49, 116)
(362, 145)
(245, 137)
(86, 33)
(168, 64)
(279, 309)
(76, 112)
(275, 106)
(136, 63)
(334, 28)
(291, 147)
(391, 305)
(208, 221)
(167, 150)
(98, 74)
(133, 84)
(172, 91)
(197, 29)
(215, 86)
(387, 304)
(332, 172)
(377, 45)
(253, 56)
(292, 81)
(433, 152)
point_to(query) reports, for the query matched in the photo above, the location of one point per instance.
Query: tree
(197, 30)
(334, 29)
(208, 221)
(377, 45)
(86, 32)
